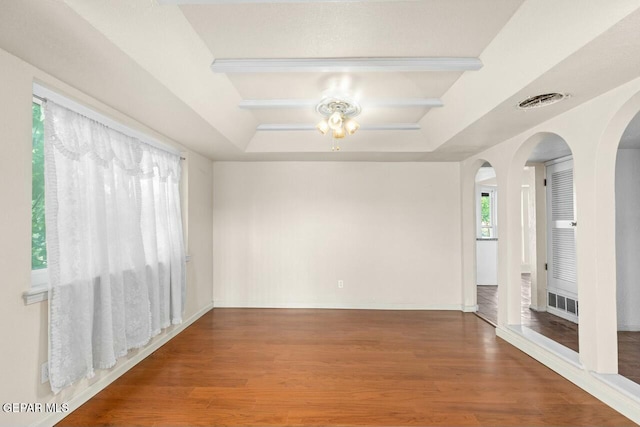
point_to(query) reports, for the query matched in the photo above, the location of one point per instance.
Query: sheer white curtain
(114, 242)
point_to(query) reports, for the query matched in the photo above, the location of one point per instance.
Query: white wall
(487, 262)
(628, 238)
(24, 330)
(286, 232)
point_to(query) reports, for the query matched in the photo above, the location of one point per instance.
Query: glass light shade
(323, 127)
(351, 126)
(339, 133)
(335, 121)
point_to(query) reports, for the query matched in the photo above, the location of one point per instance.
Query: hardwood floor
(560, 330)
(629, 355)
(487, 297)
(341, 367)
(556, 328)
(553, 327)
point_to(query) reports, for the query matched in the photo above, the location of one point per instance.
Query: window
(117, 233)
(38, 228)
(487, 213)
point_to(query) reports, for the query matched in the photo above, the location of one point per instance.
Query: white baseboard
(563, 314)
(629, 328)
(541, 309)
(470, 308)
(614, 390)
(340, 306)
(119, 370)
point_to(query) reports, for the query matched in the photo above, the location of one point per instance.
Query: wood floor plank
(560, 330)
(341, 367)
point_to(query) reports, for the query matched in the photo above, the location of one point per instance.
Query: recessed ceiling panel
(297, 31)
(288, 115)
(354, 29)
(391, 115)
(369, 116)
(314, 85)
(363, 142)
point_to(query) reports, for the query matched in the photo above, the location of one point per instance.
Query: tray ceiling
(444, 114)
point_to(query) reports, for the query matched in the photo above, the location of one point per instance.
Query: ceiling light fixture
(338, 119)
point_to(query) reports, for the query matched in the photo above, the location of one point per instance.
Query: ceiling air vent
(541, 100)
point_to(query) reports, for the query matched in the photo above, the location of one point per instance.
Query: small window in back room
(486, 215)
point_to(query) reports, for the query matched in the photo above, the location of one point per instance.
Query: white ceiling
(631, 136)
(550, 148)
(152, 62)
(353, 29)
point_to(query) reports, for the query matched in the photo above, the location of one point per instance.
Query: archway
(604, 311)
(627, 235)
(486, 242)
(549, 302)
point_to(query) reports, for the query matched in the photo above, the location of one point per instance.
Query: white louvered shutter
(561, 246)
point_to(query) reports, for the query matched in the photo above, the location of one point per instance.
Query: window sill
(39, 293)
(36, 294)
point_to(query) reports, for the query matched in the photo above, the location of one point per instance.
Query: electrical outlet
(341, 284)
(44, 372)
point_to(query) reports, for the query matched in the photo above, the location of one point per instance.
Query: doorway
(562, 292)
(627, 189)
(549, 293)
(486, 215)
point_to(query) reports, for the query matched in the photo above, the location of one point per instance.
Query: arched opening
(486, 218)
(627, 220)
(549, 284)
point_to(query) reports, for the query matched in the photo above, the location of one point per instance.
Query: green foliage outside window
(485, 215)
(485, 209)
(38, 231)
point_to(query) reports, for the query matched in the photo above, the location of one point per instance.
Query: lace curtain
(114, 241)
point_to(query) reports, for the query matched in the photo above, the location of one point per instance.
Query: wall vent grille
(541, 100)
(562, 303)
